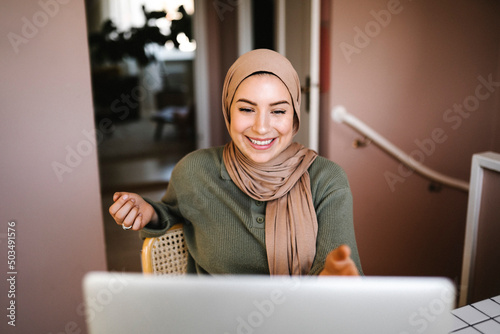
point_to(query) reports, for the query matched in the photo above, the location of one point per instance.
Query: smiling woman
(262, 118)
(262, 204)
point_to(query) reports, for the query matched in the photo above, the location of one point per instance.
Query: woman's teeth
(258, 142)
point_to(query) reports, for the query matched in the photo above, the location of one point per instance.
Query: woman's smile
(261, 144)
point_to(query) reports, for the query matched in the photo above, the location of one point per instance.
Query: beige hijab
(291, 223)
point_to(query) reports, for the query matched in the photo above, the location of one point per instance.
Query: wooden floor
(131, 160)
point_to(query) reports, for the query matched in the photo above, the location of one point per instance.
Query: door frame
(314, 60)
(201, 84)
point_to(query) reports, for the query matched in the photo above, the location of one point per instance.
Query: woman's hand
(130, 209)
(338, 262)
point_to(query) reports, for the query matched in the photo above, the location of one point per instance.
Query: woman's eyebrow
(271, 104)
(246, 101)
(279, 102)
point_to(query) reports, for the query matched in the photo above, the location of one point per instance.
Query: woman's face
(262, 117)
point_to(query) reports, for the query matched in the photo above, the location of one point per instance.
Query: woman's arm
(333, 202)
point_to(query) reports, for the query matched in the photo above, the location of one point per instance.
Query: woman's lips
(261, 144)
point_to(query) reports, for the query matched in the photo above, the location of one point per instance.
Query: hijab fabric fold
(284, 183)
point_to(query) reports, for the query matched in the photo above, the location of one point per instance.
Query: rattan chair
(165, 255)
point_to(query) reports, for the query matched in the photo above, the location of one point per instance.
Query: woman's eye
(245, 110)
(279, 111)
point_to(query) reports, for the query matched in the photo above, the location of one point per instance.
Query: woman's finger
(123, 211)
(342, 253)
(137, 222)
(131, 216)
(119, 202)
(339, 262)
(117, 195)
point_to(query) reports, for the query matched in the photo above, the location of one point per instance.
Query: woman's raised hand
(132, 211)
(339, 263)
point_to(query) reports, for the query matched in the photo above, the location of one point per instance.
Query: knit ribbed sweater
(224, 228)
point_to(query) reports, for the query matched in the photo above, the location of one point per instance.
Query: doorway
(142, 55)
(292, 28)
(298, 39)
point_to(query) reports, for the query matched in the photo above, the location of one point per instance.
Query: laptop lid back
(134, 303)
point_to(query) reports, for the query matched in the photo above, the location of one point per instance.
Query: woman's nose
(261, 123)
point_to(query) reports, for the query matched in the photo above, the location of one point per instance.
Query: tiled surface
(478, 318)
(468, 330)
(470, 315)
(488, 327)
(458, 324)
(488, 307)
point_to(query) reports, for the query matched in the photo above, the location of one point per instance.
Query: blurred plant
(111, 46)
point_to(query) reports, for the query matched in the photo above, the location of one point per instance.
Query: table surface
(478, 318)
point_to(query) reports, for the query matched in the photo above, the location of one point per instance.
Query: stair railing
(340, 115)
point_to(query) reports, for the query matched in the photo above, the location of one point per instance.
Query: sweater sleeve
(164, 218)
(334, 208)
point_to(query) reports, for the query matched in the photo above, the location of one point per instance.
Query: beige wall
(403, 81)
(45, 112)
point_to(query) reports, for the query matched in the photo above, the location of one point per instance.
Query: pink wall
(46, 110)
(402, 75)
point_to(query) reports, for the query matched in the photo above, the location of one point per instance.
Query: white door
(298, 39)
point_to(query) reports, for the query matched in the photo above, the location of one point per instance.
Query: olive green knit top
(224, 228)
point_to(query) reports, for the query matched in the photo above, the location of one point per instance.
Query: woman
(261, 204)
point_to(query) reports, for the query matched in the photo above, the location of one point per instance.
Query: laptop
(136, 303)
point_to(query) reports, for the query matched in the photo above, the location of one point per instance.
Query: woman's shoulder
(203, 155)
(326, 172)
(207, 159)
